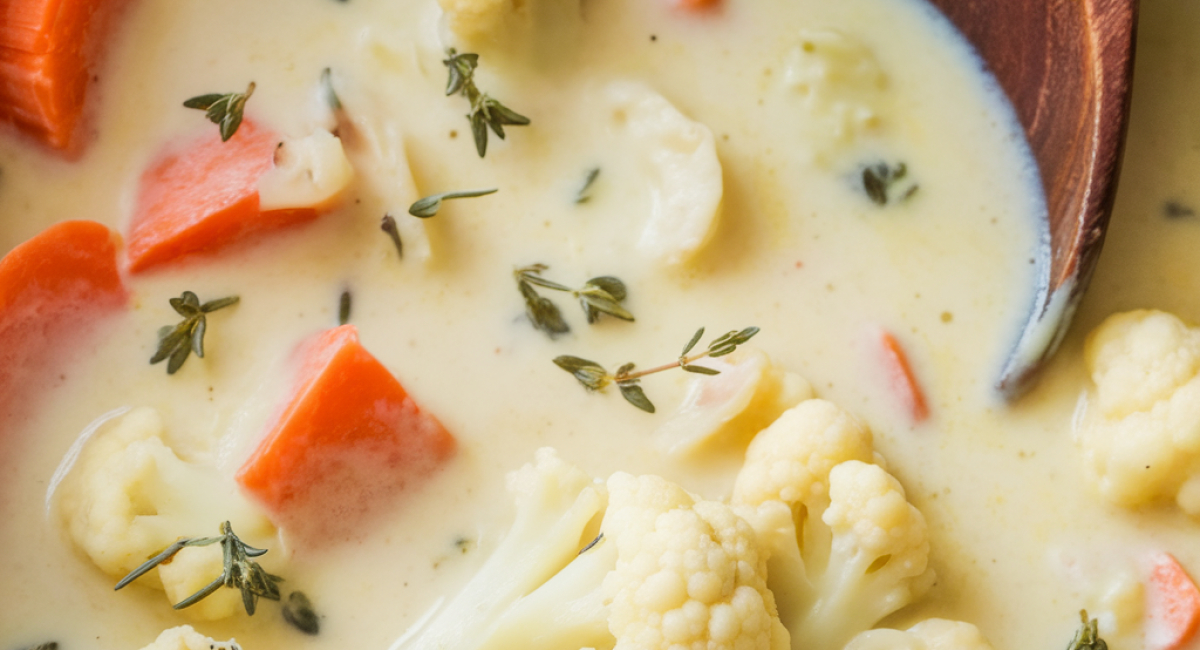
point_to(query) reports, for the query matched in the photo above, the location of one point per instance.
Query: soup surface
(807, 104)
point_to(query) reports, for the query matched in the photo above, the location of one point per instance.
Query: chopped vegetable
(1172, 605)
(204, 196)
(348, 439)
(48, 52)
(902, 378)
(52, 290)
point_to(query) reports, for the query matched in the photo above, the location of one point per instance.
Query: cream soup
(798, 96)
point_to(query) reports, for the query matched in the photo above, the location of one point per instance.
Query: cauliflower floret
(846, 547)
(1140, 434)
(537, 574)
(678, 158)
(309, 172)
(504, 28)
(930, 634)
(129, 496)
(186, 638)
(689, 573)
(731, 407)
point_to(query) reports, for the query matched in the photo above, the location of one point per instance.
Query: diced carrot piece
(204, 196)
(1172, 605)
(49, 49)
(902, 378)
(52, 290)
(696, 5)
(348, 441)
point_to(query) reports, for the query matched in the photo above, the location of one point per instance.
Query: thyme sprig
(595, 377)
(176, 343)
(224, 110)
(600, 295)
(240, 571)
(429, 206)
(1088, 635)
(388, 225)
(485, 111)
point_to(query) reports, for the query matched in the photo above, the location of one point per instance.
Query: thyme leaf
(595, 377)
(585, 191)
(429, 206)
(600, 295)
(240, 572)
(298, 611)
(344, 304)
(1088, 635)
(331, 96)
(486, 112)
(176, 343)
(879, 179)
(388, 225)
(224, 110)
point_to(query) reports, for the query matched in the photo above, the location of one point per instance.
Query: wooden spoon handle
(1067, 67)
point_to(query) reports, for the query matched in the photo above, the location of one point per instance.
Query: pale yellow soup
(798, 251)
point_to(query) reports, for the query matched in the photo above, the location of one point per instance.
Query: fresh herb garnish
(344, 307)
(240, 571)
(388, 225)
(600, 295)
(593, 376)
(298, 611)
(176, 343)
(429, 206)
(1088, 636)
(485, 111)
(223, 110)
(585, 191)
(879, 180)
(331, 97)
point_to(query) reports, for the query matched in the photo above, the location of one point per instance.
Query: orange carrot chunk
(349, 440)
(204, 196)
(48, 51)
(53, 289)
(1172, 605)
(696, 5)
(903, 380)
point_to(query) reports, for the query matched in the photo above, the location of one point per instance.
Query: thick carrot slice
(1172, 605)
(349, 440)
(902, 378)
(53, 289)
(49, 50)
(204, 196)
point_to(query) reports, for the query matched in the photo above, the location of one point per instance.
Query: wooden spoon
(1067, 67)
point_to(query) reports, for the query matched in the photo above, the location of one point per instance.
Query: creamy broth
(799, 251)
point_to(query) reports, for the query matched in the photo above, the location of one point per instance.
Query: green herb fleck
(1088, 636)
(388, 225)
(1177, 210)
(485, 111)
(595, 377)
(600, 295)
(298, 611)
(591, 544)
(48, 645)
(585, 191)
(429, 206)
(223, 110)
(879, 180)
(176, 343)
(240, 572)
(331, 96)
(344, 307)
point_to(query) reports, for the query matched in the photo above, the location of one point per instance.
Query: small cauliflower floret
(689, 574)
(309, 172)
(846, 547)
(841, 87)
(129, 496)
(930, 634)
(678, 158)
(186, 638)
(504, 28)
(1140, 434)
(731, 407)
(536, 575)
